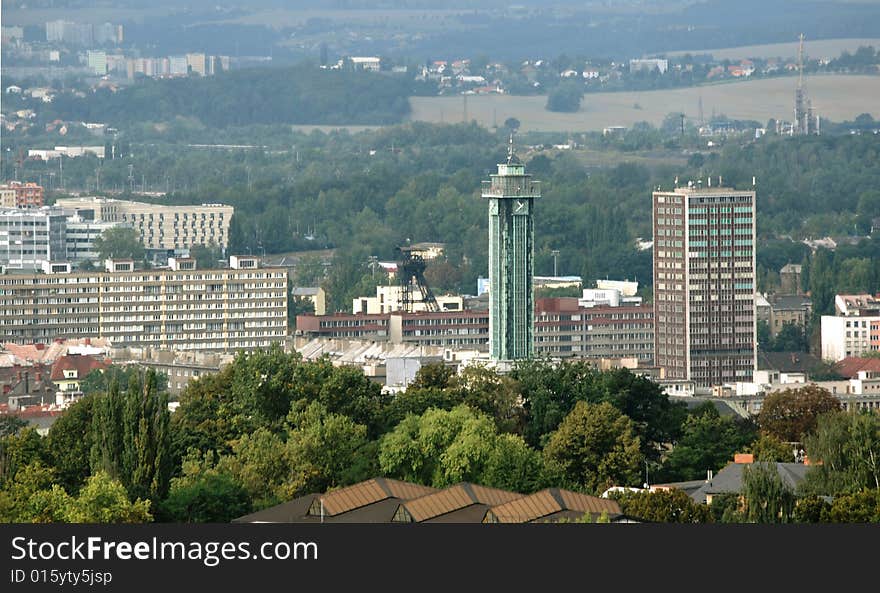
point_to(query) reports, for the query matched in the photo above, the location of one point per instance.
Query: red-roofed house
(851, 367)
(69, 370)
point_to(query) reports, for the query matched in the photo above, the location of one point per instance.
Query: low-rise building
(314, 294)
(180, 366)
(389, 299)
(788, 309)
(69, 370)
(24, 195)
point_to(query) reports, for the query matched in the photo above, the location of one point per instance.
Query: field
(835, 97)
(823, 48)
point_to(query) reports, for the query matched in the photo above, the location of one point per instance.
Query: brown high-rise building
(704, 284)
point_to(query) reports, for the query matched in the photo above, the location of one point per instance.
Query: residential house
(68, 371)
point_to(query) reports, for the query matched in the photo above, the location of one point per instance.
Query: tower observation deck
(511, 194)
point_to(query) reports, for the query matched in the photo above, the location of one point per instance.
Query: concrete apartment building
(80, 237)
(854, 330)
(180, 307)
(563, 329)
(29, 237)
(704, 284)
(451, 329)
(160, 227)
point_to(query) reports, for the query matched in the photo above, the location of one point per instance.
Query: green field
(835, 97)
(823, 48)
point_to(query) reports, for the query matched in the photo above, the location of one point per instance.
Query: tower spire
(801, 62)
(510, 149)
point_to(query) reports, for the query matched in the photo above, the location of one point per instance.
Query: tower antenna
(510, 149)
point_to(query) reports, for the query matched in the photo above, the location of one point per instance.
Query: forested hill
(303, 94)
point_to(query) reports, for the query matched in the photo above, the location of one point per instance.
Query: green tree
(769, 448)
(512, 124)
(98, 381)
(19, 450)
(258, 463)
(33, 496)
(827, 370)
(70, 442)
(857, 507)
(325, 450)
(120, 243)
(131, 437)
(105, 500)
(791, 338)
(566, 96)
(442, 447)
(439, 447)
(845, 451)
(11, 424)
(206, 256)
(513, 465)
(767, 498)
(491, 393)
(594, 447)
(790, 414)
(550, 392)
(433, 375)
(811, 509)
(663, 506)
(708, 442)
(765, 340)
(207, 498)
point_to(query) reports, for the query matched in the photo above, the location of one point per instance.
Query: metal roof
(369, 492)
(550, 501)
(455, 498)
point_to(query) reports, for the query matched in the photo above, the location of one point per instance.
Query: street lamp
(555, 254)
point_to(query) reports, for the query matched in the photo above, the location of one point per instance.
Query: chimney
(708, 475)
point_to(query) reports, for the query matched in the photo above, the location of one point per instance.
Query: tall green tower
(511, 195)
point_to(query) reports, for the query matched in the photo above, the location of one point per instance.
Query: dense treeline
(270, 427)
(301, 94)
(366, 193)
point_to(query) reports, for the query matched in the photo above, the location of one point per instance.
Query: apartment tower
(704, 284)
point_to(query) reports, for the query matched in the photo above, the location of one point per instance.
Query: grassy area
(281, 18)
(598, 159)
(822, 48)
(836, 97)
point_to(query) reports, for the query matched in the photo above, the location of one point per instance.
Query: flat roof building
(242, 307)
(160, 227)
(29, 237)
(704, 284)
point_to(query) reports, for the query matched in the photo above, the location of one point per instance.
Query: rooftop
(730, 479)
(383, 500)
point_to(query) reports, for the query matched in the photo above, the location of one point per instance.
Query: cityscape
(361, 280)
